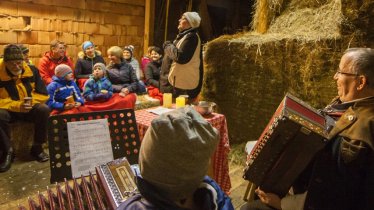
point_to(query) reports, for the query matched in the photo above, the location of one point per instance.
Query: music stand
(123, 134)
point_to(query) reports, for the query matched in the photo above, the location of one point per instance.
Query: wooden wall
(36, 23)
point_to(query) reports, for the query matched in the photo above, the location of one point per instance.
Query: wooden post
(166, 19)
(148, 24)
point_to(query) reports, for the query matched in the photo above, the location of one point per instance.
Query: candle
(180, 102)
(167, 100)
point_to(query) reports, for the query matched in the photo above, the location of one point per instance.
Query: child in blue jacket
(98, 87)
(64, 93)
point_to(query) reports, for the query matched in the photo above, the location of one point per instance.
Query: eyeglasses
(345, 73)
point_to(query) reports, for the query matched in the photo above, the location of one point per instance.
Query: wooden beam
(148, 24)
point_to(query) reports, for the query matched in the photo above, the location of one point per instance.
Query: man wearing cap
(173, 159)
(87, 58)
(56, 55)
(17, 83)
(182, 67)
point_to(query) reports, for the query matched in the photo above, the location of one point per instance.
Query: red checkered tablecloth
(220, 156)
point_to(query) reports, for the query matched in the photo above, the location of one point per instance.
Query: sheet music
(89, 144)
(159, 110)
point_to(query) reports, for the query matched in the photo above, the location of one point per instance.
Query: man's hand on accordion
(270, 199)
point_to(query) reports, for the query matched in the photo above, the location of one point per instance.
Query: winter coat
(342, 175)
(210, 195)
(14, 89)
(135, 65)
(47, 66)
(84, 64)
(152, 73)
(93, 88)
(59, 89)
(181, 55)
(123, 76)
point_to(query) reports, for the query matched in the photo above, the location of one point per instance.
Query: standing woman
(86, 60)
(182, 68)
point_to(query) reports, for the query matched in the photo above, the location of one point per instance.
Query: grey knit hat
(175, 152)
(102, 67)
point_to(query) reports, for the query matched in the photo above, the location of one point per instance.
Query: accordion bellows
(294, 134)
(112, 185)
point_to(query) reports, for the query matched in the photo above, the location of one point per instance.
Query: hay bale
(247, 74)
(22, 136)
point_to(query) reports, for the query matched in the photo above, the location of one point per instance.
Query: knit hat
(129, 48)
(12, 52)
(24, 49)
(62, 70)
(175, 152)
(102, 67)
(86, 45)
(193, 18)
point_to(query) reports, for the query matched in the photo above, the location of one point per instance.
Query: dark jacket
(208, 196)
(84, 64)
(59, 90)
(180, 55)
(343, 172)
(123, 76)
(152, 73)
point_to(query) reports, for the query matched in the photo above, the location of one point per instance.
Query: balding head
(361, 61)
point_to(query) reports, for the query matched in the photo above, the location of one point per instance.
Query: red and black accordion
(114, 183)
(295, 133)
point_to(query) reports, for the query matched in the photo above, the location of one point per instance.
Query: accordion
(114, 183)
(295, 133)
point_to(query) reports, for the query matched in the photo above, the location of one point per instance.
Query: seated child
(63, 92)
(98, 87)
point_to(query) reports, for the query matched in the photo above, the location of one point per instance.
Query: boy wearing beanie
(64, 93)
(174, 158)
(98, 87)
(17, 82)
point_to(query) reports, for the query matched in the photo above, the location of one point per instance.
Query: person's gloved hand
(166, 43)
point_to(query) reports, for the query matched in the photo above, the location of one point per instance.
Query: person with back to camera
(342, 173)
(173, 160)
(51, 59)
(182, 67)
(87, 58)
(98, 87)
(17, 82)
(64, 94)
